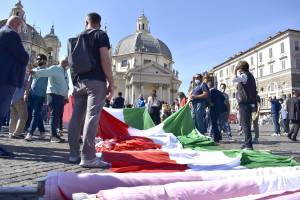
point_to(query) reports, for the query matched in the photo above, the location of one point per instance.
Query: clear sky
(199, 33)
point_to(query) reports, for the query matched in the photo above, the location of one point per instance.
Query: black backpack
(241, 95)
(80, 56)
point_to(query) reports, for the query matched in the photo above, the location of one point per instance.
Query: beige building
(275, 64)
(33, 41)
(142, 63)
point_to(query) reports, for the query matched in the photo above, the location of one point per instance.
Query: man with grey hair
(13, 63)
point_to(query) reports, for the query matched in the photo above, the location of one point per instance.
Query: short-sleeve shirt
(198, 90)
(99, 39)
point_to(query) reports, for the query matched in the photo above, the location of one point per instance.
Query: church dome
(142, 41)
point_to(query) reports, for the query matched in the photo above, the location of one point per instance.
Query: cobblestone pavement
(35, 159)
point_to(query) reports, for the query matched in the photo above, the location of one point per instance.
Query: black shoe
(294, 139)
(244, 147)
(289, 136)
(57, 139)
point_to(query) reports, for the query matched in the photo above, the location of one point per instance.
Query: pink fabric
(281, 178)
(204, 190)
(91, 183)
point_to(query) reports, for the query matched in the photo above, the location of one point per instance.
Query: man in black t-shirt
(90, 91)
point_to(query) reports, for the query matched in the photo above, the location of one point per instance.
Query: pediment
(152, 68)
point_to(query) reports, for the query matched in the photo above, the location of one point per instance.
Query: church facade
(142, 63)
(33, 41)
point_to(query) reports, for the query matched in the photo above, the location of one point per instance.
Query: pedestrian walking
(293, 108)
(224, 116)
(275, 109)
(154, 107)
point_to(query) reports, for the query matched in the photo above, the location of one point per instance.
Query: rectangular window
(252, 60)
(165, 65)
(298, 63)
(282, 47)
(296, 45)
(260, 57)
(261, 72)
(232, 68)
(221, 74)
(271, 69)
(227, 71)
(270, 53)
(147, 61)
(124, 63)
(283, 64)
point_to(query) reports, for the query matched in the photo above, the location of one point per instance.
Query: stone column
(169, 94)
(142, 88)
(126, 93)
(160, 92)
(132, 93)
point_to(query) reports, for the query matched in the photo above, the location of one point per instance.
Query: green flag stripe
(138, 118)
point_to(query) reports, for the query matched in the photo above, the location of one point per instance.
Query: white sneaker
(95, 163)
(274, 134)
(28, 137)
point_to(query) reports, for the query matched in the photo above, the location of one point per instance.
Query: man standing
(118, 102)
(90, 90)
(57, 92)
(223, 119)
(246, 97)
(199, 95)
(36, 98)
(293, 108)
(217, 108)
(140, 102)
(275, 109)
(255, 118)
(154, 105)
(13, 63)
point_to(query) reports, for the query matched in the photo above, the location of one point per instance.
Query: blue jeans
(56, 104)
(275, 117)
(224, 124)
(198, 116)
(6, 95)
(36, 104)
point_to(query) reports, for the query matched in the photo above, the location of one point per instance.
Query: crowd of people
(28, 90)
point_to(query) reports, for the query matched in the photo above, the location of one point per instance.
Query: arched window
(143, 26)
(139, 27)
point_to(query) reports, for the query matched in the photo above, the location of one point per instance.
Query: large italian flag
(131, 143)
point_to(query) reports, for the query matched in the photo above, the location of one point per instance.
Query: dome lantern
(142, 25)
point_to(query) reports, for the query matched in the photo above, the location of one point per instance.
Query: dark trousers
(56, 105)
(215, 132)
(245, 111)
(275, 117)
(6, 95)
(294, 129)
(155, 114)
(286, 125)
(36, 104)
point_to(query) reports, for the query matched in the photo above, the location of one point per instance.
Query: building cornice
(258, 47)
